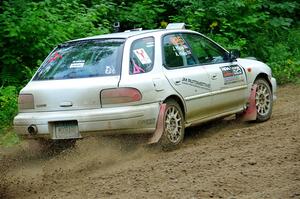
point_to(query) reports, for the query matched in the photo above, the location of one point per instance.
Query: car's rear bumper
(130, 119)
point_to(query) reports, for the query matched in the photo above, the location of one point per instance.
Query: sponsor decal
(136, 68)
(179, 46)
(142, 55)
(232, 74)
(195, 83)
(77, 64)
(109, 70)
(177, 40)
(150, 44)
(55, 57)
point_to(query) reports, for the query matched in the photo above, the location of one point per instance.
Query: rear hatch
(73, 75)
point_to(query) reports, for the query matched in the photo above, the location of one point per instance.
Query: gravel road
(220, 159)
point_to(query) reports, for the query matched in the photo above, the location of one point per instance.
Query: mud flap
(250, 113)
(159, 125)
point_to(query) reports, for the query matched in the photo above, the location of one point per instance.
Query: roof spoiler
(135, 29)
(175, 26)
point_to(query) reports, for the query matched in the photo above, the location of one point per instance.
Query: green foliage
(29, 30)
(9, 138)
(281, 53)
(8, 107)
(265, 29)
(143, 13)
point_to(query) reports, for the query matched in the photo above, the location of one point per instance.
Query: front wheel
(173, 126)
(263, 100)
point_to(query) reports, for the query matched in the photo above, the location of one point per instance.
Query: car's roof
(127, 34)
(123, 35)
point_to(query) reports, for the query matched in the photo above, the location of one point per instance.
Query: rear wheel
(173, 126)
(263, 100)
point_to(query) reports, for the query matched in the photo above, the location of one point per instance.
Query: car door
(187, 77)
(227, 79)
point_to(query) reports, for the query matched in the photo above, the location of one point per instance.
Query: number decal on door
(232, 74)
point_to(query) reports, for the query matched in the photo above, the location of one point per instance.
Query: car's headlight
(26, 101)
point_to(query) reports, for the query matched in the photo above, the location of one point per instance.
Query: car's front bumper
(130, 119)
(274, 87)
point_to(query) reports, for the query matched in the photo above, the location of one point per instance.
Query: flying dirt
(221, 159)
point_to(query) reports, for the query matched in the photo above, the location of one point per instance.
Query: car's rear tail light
(120, 95)
(26, 101)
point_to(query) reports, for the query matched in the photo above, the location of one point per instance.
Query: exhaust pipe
(32, 129)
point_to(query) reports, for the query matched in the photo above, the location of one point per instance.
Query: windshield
(81, 59)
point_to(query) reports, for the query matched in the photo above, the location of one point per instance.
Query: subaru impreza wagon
(145, 81)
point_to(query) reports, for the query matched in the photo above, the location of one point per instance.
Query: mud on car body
(151, 81)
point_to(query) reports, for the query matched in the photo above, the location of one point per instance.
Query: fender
(253, 68)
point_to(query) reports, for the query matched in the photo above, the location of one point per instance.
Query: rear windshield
(82, 59)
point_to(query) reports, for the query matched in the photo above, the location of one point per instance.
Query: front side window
(142, 56)
(177, 52)
(82, 59)
(204, 50)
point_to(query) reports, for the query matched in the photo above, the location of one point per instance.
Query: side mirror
(233, 55)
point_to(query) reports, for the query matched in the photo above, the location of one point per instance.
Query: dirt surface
(223, 159)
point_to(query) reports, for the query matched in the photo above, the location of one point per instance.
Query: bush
(30, 30)
(268, 30)
(8, 107)
(281, 53)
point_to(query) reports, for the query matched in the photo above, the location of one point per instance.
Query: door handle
(214, 76)
(177, 82)
(66, 104)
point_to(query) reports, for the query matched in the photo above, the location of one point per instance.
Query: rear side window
(142, 56)
(82, 59)
(177, 52)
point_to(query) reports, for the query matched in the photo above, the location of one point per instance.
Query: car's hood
(251, 61)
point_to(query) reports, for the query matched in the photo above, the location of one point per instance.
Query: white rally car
(151, 81)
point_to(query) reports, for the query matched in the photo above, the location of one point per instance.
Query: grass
(9, 138)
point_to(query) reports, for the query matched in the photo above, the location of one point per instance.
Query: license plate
(66, 130)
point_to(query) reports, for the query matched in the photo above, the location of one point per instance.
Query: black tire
(174, 126)
(263, 100)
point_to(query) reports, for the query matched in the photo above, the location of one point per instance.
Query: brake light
(26, 101)
(120, 95)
